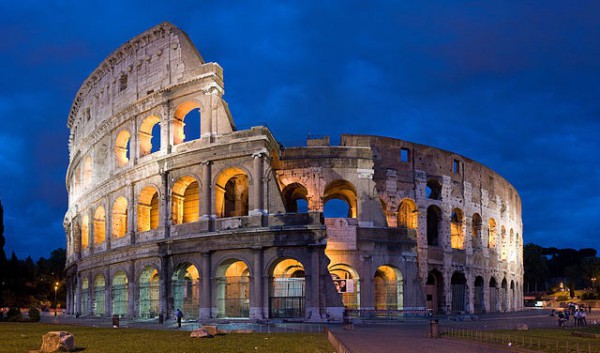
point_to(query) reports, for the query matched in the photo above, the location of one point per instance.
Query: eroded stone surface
(58, 341)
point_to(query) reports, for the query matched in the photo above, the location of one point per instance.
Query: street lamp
(55, 303)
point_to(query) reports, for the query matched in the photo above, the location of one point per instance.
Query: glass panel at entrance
(149, 293)
(287, 289)
(120, 294)
(186, 291)
(233, 290)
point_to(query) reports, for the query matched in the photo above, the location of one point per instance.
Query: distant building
(171, 206)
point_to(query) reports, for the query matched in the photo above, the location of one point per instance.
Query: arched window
(457, 233)
(492, 234)
(408, 214)
(287, 290)
(347, 283)
(340, 190)
(149, 293)
(433, 189)
(232, 193)
(477, 241)
(295, 196)
(99, 225)
(119, 218)
(459, 293)
(186, 290)
(99, 295)
(85, 232)
(503, 243)
(388, 289)
(120, 294)
(233, 289)
(433, 225)
(185, 201)
(87, 172)
(148, 209)
(122, 148)
(186, 125)
(149, 136)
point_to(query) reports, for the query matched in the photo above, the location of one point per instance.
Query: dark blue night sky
(511, 84)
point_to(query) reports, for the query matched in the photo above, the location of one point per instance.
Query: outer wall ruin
(170, 206)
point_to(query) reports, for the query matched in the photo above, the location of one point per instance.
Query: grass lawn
(21, 337)
(553, 340)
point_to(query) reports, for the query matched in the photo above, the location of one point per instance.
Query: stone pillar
(257, 306)
(206, 116)
(77, 304)
(134, 142)
(257, 190)
(132, 215)
(206, 192)
(166, 205)
(131, 291)
(108, 226)
(470, 293)
(108, 293)
(367, 285)
(164, 282)
(205, 287)
(90, 306)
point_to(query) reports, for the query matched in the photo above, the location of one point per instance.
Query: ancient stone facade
(171, 206)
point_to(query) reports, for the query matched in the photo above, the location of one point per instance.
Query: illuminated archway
(122, 148)
(182, 113)
(119, 218)
(492, 234)
(99, 295)
(149, 293)
(503, 243)
(344, 191)
(87, 172)
(148, 209)
(295, 196)
(85, 231)
(287, 290)
(408, 214)
(232, 193)
(389, 293)
(186, 290)
(185, 201)
(347, 283)
(149, 130)
(120, 294)
(85, 297)
(99, 226)
(457, 234)
(233, 289)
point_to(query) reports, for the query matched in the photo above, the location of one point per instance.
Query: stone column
(108, 226)
(257, 189)
(77, 304)
(90, 308)
(205, 287)
(166, 205)
(206, 192)
(108, 293)
(206, 118)
(132, 215)
(134, 142)
(164, 282)
(131, 291)
(256, 294)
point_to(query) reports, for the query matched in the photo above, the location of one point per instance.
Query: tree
(536, 267)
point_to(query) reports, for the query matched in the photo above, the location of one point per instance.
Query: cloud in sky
(512, 85)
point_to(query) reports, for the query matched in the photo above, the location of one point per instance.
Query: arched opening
(503, 244)
(479, 298)
(148, 209)
(149, 135)
(85, 232)
(434, 290)
(433, 225)
(433, 189)
(347, 283)
(295, 196)
(389, 293)
(120, 294)
(99, 226)
(233, 289)
(119, 218)
(149, 293)
(85, 297)
(408, 214)
(457, 234)
(186, 290)
(340, 190)
(287, 290)
(476, 240)
(492, 234)
(504, 295)
(186, 124)
(232, 193)
(459, 285)
(493, 295)
(122, 152)
(99, 295)
(87, 172)
(185, 201)
(513, 302)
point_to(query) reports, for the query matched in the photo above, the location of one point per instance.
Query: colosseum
(171, 206)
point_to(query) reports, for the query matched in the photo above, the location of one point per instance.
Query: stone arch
(504, 295)
(458, 282)
(185, 200)
(493, 294)
(149, 292)
(503, 243)
(476, 240)
(342, 190)
(433, 189)
(185, 284)
(147, 133)
(120, 293)
(85, 296)
(119, 217)
(512, 300)
(85, 231)
(99, 225)
(99, 288)
(351, 293)
(408, 214)
(434, 217)
(292, 194)
(181, 112)
(287, 289)
(148, 216)
(389, 288)
(87, 172)
(231, 192)
(434, 290)
(122, 147)
(492, 234)
(479, 295)
(233, 289)
(457, 232)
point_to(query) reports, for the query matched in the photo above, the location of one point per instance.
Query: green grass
(552, 340)
(21, 337)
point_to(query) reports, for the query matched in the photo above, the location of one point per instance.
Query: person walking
(179, 315)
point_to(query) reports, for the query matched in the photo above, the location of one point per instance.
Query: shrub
(14, 314)
(562, 298)
(34, 314)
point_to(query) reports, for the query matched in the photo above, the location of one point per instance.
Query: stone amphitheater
(171, 206)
